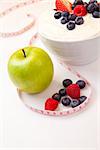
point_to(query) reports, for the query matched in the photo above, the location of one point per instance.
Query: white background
(19, 127)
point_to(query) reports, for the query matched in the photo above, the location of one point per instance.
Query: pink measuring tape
(69, 68)
(13, 8)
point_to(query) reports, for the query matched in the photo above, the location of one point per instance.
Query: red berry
(51, 104)
(80, 10)
(63, 5)
(73, 91)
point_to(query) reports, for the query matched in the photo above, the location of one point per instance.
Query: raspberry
(51, 104)
(73, 91)
(80, 10)
(63, 5)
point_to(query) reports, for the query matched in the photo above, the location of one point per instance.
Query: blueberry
(81, 84)
(71, 25)
(96, 14)
(66, 101)
(91, 7)
(79, 20)
(65, 14)
(74, 103)
(64, 20)
(62, 92)
(92, 1)
(78, 2)
(67, 82)
(56, 96)
(72, 17)
(57, 15)
(82, 99)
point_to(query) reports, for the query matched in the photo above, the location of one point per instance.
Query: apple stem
(24, 52)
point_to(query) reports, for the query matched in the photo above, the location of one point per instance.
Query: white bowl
(75, 52)
(78, 47)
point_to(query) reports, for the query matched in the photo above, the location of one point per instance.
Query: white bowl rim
(75, 41)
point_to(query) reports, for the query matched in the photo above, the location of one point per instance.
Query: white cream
(52, 29)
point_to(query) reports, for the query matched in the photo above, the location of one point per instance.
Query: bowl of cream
(76, 47)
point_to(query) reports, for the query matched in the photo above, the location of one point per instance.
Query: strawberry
(80, 10)
(63, 5)
(73, 91)
(51, 104)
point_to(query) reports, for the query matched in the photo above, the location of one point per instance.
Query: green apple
(31, 69)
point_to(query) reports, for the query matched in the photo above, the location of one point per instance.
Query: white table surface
(22, 129)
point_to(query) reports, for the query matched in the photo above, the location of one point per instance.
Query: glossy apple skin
(33, 73)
